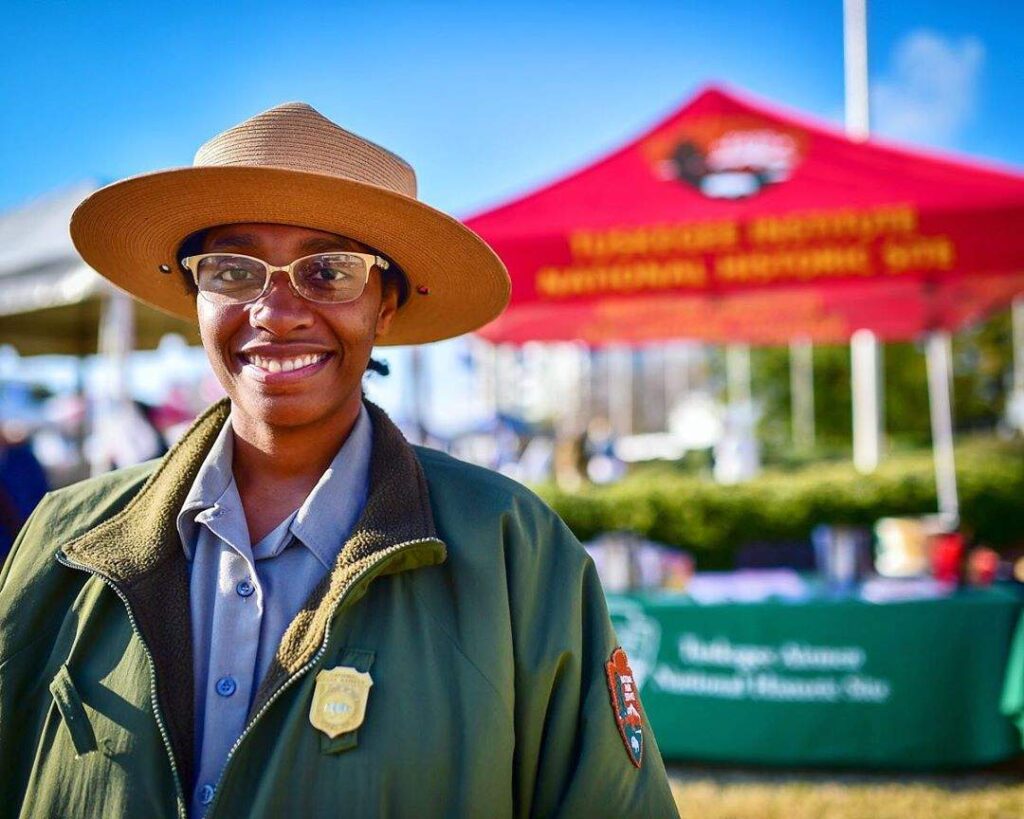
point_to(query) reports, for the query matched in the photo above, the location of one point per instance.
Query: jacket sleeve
(572, 759)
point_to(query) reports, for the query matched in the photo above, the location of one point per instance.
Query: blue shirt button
(206, 794)
(226, 686)
(244, 588)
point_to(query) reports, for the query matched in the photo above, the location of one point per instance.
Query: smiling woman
(289, 421)
(294, 587)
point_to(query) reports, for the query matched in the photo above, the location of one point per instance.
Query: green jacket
(477, 614)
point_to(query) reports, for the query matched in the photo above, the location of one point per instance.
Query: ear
(387, 309)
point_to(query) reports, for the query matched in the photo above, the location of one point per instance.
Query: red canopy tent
(732, 221)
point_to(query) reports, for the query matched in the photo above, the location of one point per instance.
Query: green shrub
(667, 505)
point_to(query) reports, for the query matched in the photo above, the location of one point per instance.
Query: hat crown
(296, 136)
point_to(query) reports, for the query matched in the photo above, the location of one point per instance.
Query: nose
(280, 310)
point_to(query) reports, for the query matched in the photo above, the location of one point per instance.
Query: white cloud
(928, 93)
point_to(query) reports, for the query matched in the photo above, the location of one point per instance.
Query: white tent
(50, 300)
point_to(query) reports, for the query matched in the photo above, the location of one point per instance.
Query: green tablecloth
(832, 682)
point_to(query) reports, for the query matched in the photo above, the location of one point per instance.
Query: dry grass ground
(710, 793)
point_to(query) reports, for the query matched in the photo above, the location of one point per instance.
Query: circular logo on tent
(726, 157)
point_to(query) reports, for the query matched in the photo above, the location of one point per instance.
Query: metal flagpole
(865, 351)
(938, 357)
(855, 65)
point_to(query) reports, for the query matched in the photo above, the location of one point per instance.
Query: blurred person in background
(295, 612)
(22, 484)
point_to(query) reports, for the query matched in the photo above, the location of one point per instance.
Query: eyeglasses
(230, 278)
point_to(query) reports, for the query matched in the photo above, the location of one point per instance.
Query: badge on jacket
(625, 705)
(339, 700)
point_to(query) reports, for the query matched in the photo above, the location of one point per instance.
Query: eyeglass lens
(325, 277)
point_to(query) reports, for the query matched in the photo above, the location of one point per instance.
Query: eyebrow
(234, 240)
(318, 242)
(312, 244)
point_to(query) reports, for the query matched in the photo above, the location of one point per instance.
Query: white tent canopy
(50, 300)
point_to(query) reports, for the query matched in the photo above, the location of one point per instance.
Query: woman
(295, 612)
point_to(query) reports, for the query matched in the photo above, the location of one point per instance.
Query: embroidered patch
(625, 701)
(339, 700)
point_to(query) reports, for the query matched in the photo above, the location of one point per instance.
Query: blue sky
(485, 99)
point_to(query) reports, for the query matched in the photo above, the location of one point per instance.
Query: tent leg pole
(504, 377)
(590, 407)
(116, 341)
(586, 386)
(737, 374)
(620, 390)
(677, 376)
(1014, 412)
(1017, 319)
(628, 377)
(865, 372)
(938, 357)
(484, 356)
(801, 390)
(416, 373)
(666, 384)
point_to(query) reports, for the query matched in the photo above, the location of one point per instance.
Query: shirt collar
(210, 485)
(321, 523)
(327, 516)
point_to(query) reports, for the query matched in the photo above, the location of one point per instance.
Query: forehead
(255, 235)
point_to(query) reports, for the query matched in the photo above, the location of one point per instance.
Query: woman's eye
(235, 274)
(328, 274)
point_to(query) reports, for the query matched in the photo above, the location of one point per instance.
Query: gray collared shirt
(243, 596)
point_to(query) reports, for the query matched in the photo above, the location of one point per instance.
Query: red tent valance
(731, 221)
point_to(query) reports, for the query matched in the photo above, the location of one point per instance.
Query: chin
(288, 411)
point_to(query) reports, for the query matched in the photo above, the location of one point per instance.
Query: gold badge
(339, 700)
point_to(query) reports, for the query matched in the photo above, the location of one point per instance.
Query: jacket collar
(142, 536)
(138, 550)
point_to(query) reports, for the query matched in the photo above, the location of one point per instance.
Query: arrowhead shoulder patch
(625, 705)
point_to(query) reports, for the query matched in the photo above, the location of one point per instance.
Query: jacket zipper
(178, 790)
(384, 555)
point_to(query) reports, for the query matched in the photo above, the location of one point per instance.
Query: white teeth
(275, 365)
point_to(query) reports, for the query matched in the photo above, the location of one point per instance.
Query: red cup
(947, 557)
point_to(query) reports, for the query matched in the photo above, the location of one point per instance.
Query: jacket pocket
(361, 660)
(72, 712)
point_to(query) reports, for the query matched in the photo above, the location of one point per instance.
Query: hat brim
(128, 230)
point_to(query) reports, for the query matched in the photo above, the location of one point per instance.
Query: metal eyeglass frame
(191, 264)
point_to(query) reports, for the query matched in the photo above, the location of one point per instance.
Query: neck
(266, 454)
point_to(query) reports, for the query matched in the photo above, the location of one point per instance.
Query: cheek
(356, 326)
(216, 325)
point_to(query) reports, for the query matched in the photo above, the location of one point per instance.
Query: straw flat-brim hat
(291, 165)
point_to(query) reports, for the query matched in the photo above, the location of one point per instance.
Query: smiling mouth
(275, 364)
